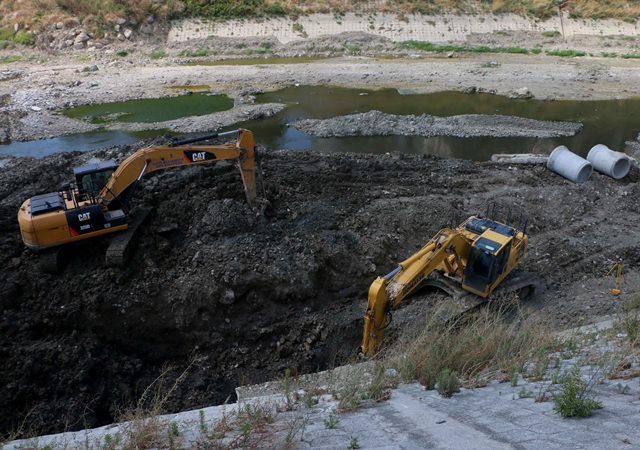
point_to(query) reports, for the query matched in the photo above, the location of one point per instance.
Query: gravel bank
(376, 123)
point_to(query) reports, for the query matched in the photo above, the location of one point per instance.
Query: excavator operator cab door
(487, 261)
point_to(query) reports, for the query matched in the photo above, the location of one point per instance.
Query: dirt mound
(250, 295)
(376, 123)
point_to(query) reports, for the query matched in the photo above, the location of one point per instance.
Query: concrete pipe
(612, 163)
(566, 163)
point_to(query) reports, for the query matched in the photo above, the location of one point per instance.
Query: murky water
(153, 109)
(610, 122)
(82, 142)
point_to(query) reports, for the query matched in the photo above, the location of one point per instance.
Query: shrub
(195, 53)
(566, 53)
(574, 398)
(157, 54)
(448, 383)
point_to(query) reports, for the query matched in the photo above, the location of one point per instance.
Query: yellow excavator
(476, 256)
(99, 200)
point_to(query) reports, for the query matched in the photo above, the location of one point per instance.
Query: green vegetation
(122, 53)
(447, 383)
(195, 53)
(157, 54)
(551, 34)
(574, 398)
(446, 48)
(566, 53)
(21, 37)
(332, 421)
(10, 59)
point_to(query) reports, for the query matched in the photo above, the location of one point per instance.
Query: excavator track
(122, 243)
(524, 284)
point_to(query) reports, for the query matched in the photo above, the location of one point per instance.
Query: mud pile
(376, 123)
(248, 295)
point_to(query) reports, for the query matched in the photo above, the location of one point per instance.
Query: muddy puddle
(152, 109)
(610, 122)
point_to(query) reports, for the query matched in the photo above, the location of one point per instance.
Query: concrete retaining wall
(439, 28)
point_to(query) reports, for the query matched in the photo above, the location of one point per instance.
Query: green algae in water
(190, 87)
(152, 109)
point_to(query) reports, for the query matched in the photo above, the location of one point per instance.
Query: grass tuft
(494, 340)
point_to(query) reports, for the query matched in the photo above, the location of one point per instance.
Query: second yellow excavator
(477, 256)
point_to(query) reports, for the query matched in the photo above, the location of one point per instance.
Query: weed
(122, 53)
(10, 59)
(574, 398)
(112, 442)
(157, 54)
(525, 393)
(513, 378)
(353, 444)
(21, 37)
(173, 436)
(299, 29)
(448, 383)
(628, 321)
(288, 390)
(195, 53)
(566, 53)
(446, 48)
(204, 429)
(541, 396)
(310, 398)
(294, 426)
(551, 34)
(331, 421)
(540, 368)
(363, 388)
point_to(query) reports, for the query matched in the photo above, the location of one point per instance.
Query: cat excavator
(98, 203)
(473, 258)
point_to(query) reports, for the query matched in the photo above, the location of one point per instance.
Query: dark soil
(248, 295)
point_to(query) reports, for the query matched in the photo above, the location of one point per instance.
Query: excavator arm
(147, 160)
(387, 292)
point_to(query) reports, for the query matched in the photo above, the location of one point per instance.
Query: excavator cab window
(91, 178)
(484, 264)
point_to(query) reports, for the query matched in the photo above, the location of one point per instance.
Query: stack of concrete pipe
(577, 169)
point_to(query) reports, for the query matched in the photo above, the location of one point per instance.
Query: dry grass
(491, 343)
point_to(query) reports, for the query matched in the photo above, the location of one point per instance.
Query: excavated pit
(248, 295)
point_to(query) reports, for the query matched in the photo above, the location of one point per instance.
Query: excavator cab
(488, 259)
(92, 178)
